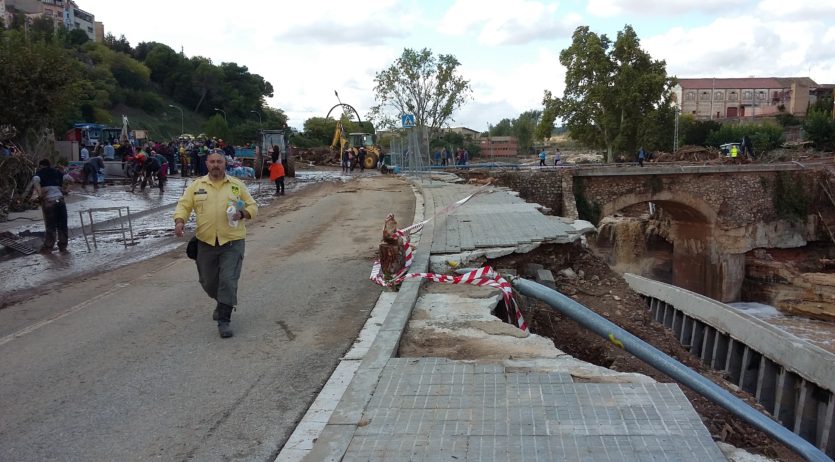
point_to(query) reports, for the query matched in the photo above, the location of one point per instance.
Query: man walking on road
(221, 203)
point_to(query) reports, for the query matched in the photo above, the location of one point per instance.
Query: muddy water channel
(150, 223)
(789, 288)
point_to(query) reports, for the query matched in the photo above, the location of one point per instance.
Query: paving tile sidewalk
(441, 409)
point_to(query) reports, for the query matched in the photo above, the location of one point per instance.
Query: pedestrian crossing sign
(407, 120)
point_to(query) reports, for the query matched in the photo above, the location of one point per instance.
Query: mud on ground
(605, 292)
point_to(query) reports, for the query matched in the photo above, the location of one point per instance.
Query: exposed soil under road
(606, 293)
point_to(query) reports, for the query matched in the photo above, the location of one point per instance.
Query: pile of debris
(689, 153)
(15, 176)
(316, 156)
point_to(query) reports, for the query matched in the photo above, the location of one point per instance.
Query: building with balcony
(713, 98)
(80, 19)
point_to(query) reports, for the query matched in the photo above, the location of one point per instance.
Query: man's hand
(179, 228)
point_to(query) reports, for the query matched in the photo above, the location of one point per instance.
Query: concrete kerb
(334, 437)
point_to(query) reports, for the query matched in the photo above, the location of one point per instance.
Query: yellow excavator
(353, 141)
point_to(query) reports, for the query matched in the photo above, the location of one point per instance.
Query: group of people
(352, 160)
(444, 157)
(543, 156)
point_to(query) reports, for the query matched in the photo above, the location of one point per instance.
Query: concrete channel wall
(792, 379)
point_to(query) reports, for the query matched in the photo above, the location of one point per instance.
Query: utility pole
(181, 117)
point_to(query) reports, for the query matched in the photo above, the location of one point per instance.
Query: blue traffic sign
(407, 120)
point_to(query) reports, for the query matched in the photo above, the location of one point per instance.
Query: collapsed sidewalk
(436, 376)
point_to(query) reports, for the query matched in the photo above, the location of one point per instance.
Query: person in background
(641, 156)
(557, 156)
(345, 159)
(109, 152)
(85, 153)
(542, 156)
(50, 190)
(277, 176)
(90, 171)
(162, 171)
(221, 203)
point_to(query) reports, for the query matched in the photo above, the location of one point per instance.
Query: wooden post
(392, 256)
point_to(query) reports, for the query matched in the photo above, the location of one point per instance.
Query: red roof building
(747, 97)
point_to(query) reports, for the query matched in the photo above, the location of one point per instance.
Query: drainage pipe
(679, 372)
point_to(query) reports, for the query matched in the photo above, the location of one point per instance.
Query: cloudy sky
(508, 49)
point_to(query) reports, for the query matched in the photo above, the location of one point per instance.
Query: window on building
(718, 96)
(690, 96)
(760, 95)
(747, 95)
(705, 96)
(733, 96)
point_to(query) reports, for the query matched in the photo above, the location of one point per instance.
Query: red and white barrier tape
(485, 276)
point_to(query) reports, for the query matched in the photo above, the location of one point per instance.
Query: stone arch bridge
(716, 213)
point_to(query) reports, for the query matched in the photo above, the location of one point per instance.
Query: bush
(820, 130)
(765, 137)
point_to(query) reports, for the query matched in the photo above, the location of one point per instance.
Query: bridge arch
(680, 206)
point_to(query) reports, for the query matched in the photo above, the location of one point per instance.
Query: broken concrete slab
(455, 322)
(546, 278)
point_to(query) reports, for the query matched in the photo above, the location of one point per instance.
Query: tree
(503, 128)
(40, 83)
(206, 78)
(216, 127)
(611, 90)
(422, 84)
(820, 129)
(121, 44)
(523, 129)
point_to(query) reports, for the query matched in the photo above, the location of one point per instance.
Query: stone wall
(544, 188)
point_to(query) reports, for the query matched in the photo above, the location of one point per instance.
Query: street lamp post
(259, 117)
(182, 130)
(224, 114)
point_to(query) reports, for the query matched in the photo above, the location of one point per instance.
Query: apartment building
(65, 13)
(713, 98)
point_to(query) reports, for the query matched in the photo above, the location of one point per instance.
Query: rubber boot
(223, 319)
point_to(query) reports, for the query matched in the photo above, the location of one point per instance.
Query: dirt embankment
(605, 292)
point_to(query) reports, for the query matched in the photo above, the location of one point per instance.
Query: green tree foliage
(120, 45)
(524, 127)
(503, 128)
(419, 83)
(820, 130)
(53, 78)
(40, 83)
(319, 130)
(216, 127)
(695, 132)
(611, 91)
(765, 137)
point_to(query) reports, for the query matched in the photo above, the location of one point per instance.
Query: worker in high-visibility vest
(734, 152)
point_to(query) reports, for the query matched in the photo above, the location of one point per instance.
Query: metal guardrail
(679, 372)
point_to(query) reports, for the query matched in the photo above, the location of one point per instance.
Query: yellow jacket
(209, 200)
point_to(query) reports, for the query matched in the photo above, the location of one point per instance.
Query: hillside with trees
(54, 78)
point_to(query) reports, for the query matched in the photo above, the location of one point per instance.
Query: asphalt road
(128, 365)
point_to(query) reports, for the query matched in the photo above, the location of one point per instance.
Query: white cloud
(797, 9)
(611, 8)
(746, 46)
(510, 22)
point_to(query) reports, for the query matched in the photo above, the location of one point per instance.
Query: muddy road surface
(128, 365)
